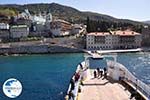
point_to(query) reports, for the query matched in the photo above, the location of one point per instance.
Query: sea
(46, 77)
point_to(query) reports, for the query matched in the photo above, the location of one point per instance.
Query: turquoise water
(46, 77)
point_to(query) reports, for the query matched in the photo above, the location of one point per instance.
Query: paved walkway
(102, 89)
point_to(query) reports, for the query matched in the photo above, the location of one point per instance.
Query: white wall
(111, 42)
(19, 32)
(4, 26)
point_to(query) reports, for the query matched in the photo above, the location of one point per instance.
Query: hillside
(64, 12)
(75, 16)
(147, 22)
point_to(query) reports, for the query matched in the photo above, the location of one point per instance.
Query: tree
(88, 24)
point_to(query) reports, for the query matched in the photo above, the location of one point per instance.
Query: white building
(19, 31)
(113, 40)
(4, 26)
(48, 21)
(38, 19)
(4, 31)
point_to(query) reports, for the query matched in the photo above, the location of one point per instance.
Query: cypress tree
(88, 24)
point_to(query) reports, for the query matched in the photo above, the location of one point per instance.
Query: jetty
(113, 51)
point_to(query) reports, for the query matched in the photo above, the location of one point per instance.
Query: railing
(80, 69)
(130, 78)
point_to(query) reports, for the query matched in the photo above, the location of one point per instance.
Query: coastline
(53, 49)
(38, 49)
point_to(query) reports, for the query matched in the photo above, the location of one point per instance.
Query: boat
(95, 55)
(117, 84)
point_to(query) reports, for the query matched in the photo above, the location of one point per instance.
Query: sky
(138, 10)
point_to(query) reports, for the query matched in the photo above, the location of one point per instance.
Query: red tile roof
(125, 33)
(121, 33)
(99, 33)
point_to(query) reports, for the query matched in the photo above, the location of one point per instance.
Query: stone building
(19, 31)
(113, 40)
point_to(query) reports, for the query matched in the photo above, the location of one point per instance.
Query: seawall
(37, 49)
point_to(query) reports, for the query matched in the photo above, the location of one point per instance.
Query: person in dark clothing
(72, 84)
(133, 94)
(71, 95)
(77, 76)
(101, 72)
(95, 74)
(105, 72)
(105, 69)
(98, 72)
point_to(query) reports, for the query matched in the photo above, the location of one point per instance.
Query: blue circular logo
(12, 88)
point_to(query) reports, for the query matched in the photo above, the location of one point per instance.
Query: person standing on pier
(101, 72)
(105, 72)
(95, 75)
(98, 72)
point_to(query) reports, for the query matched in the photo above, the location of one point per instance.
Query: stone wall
(37, 49)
